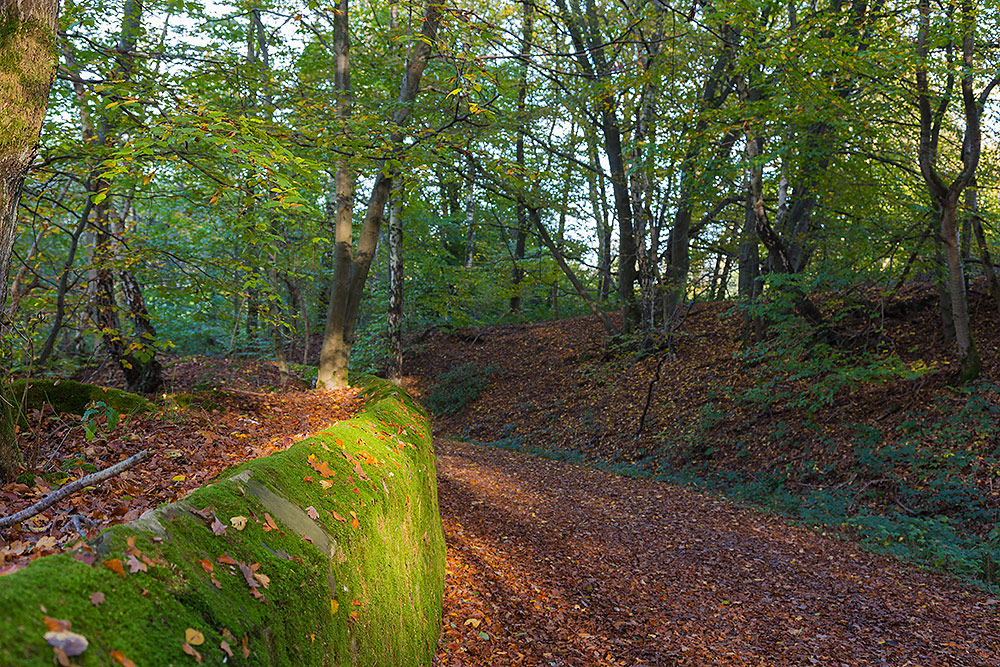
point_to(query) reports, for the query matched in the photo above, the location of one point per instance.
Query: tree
(28, 57)
(946, 195)
(350, 270)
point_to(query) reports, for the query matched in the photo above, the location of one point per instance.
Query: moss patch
(340, 561)
(73, 397)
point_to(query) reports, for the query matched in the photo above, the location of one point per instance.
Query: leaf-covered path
(555, 564)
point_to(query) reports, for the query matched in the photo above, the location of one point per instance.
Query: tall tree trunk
(394, 317)
(590, 54)
(27, 67)
(520, 242)
(470, 211)
(351, 269)
(972, 204)
(946, 196)
(137, 360)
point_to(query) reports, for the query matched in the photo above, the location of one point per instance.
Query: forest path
(551, 563)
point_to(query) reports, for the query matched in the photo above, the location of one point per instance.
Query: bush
(457, 388)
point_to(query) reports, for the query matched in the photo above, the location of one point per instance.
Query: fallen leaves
(97, 598)
(191, 651)
(120, 658)
(115, 566)
(193, 445)
(194, 637)
(238, 522)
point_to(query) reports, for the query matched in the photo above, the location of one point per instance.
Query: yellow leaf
(193, 637)
(474, 622)
(334, 606)
(178, 478)
(238, 522)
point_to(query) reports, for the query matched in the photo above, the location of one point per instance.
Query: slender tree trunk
(394, 318)
(581, 290)
(945, 195)
(470, 212)
(520, 243)
(63, 287)
(972, 204)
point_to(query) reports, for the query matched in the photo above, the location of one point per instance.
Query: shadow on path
(555, 564)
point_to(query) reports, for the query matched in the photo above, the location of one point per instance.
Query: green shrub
(457, 387)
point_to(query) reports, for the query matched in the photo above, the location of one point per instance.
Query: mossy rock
(73, 397)
(340, 561)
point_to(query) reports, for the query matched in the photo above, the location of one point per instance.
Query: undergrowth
(457, 387)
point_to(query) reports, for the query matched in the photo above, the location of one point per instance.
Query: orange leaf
(337, 516)
(191, 652)
(115, 565)
(207, 565)
(56, 624)
(120, 657)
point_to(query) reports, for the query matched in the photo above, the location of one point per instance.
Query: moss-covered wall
(340, 562)
(73, 397)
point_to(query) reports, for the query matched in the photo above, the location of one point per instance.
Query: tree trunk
(394, 317)
(517, 272)
(27, 67)
(581, 290)
(972, 204)
(470, 212)
(351, 269)
(946, 196)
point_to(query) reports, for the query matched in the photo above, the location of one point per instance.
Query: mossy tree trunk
(28, 57)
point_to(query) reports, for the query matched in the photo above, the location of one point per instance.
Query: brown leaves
(97, 598)
(115, 566)
(136, 565)
(312, 513)
(190, 650)
(120, 658)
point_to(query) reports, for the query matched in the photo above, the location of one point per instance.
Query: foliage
(457, 387)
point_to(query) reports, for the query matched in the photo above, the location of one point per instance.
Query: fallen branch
(71, 488)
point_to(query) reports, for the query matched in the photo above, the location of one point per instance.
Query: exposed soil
(555, 564)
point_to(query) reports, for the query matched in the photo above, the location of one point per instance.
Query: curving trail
(555, 564)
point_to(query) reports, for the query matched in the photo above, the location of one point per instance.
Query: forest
(744, 246)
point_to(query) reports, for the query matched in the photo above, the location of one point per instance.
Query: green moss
(73, 397)
(390, 570)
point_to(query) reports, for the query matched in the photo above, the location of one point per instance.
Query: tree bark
(946, 196)
(351, 269)
(27, 68)
(394, 317)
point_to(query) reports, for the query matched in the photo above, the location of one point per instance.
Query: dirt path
(554, 564)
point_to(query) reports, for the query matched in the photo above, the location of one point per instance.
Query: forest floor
(555, 563)
(551, 563)
(221, 413)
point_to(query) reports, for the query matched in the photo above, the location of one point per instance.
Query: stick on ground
(71, 488)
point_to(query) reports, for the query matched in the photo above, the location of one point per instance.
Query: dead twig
(71, 488)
